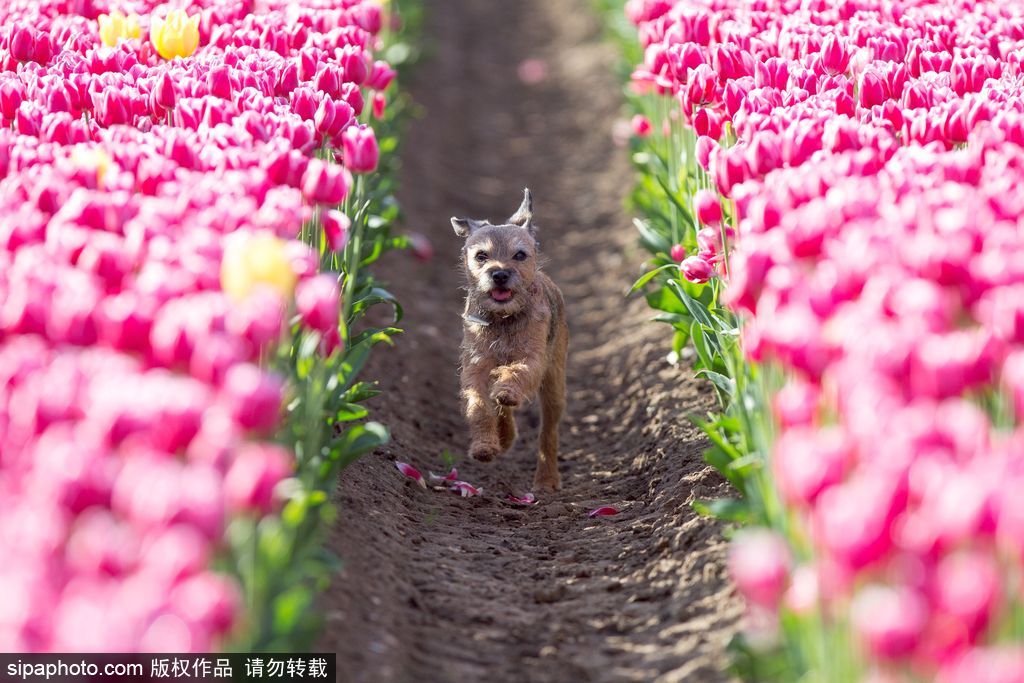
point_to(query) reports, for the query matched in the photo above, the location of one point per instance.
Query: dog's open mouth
(501, 295)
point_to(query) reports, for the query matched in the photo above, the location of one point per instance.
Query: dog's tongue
(501, 294)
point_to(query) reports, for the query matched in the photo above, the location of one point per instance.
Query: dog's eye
(481, 256)
(520, 256)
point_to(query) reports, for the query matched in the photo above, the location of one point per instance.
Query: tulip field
(830, 194)
(195, 194)
(190, 198)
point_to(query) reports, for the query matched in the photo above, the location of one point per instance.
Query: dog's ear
(523, 217)
(464, 227)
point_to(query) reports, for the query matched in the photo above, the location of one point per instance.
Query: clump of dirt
(441, 588)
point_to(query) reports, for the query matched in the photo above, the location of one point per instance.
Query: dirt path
(437, 588)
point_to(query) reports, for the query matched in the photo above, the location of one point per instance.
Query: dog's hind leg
(506, 427)
(552, 399)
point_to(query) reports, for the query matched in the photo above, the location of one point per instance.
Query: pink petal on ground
(603, 511)
(525, 499)
(411, 472)
(532, 71)
(465, 489)
(451, 476)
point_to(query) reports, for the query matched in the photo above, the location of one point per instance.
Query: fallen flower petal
(603, 511)
(411, 472)
(465, 489)
(525, 499)
(451, 476)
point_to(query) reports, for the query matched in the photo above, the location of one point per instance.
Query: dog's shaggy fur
(515, 339)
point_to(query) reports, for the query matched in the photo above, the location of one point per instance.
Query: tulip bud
(304, 103)
(835, 58)
(328, 81)
(709, 210)
(23, 43)
(218, 80)
(380, 76)
(703, 151)
(336, 226)
(324, 183)
(353, 95)
(353, 65)
(677, 253)
(695, 269)
(873, 90)
(287, 80)
(641, 125)
(379, 102)
(360, 148)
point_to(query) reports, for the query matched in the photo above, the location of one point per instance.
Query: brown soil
(437, 588)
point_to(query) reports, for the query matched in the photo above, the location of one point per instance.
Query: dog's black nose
(500, 277)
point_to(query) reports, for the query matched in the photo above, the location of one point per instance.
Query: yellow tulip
(256, 260)
(92, 159)
(175, 36)
(115, 27)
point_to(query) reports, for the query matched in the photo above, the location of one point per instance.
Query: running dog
(515, 338)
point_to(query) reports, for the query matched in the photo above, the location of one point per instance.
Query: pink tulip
(381, 76)
(807, 461)
(696, 269)
(361, 151)
(854, 519)
(704, 146)
(968, 587)
(641, 125)
(23, 43)
(796, 403)
(336, 227)
(996, 664)
(379, 102)
(318, 300)
(678, 253)
(253, 397)
(890, 621)
(835, 58)
(325, 183)
(211, 600)
(759, 562)
(709, 210)
(254, 473)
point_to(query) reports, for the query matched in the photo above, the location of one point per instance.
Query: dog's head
(500, 260)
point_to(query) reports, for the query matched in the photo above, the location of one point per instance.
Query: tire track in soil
(439, 588)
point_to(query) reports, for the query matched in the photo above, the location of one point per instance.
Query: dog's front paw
(506, 395)
(484, 451)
